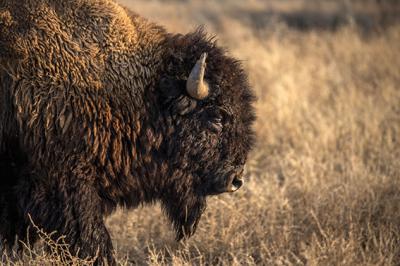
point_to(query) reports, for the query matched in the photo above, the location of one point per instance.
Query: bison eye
(215, 125)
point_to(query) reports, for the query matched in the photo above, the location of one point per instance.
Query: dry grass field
(323, 182)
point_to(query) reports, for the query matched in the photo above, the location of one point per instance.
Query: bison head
(207, 102)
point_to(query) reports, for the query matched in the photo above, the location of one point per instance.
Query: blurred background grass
(323, 182)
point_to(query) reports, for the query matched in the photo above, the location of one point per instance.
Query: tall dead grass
(323, 182)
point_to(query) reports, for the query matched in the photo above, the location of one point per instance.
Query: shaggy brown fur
(94, 114)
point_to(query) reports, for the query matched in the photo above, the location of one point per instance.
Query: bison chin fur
(184, 214)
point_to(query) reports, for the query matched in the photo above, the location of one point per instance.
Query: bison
(100, 108)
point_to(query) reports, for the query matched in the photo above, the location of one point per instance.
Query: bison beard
(100, 108)
(185, 215)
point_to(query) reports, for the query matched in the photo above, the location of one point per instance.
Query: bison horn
(196, 86)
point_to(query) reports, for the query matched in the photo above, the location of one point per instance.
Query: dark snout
(225, 181)
(234, 183)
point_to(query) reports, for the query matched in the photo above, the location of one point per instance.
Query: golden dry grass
(323, 182)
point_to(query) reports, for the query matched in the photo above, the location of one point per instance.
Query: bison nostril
(236, 183)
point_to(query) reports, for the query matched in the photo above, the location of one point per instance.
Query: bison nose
(236, 184)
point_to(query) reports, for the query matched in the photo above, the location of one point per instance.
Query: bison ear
(172, 97)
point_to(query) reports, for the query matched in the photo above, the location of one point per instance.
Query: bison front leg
(86, 230)
(72, 209)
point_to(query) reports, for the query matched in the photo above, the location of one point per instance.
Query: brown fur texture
(94, 114)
